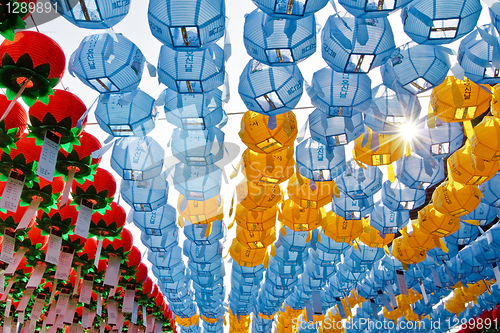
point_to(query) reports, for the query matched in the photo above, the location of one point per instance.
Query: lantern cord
(36, 26)
(13, 102)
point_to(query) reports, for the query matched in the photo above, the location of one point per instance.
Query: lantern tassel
(13, 102)
(29, 214)
(67, 186)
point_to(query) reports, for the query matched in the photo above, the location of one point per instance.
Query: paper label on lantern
(132, 328)
(30, 213)
(98, 308)
(8, 244)
(7, 290)
(150, 322)
(422, 291)
(53, 247)
(59, 321)
(144, 314)
(111, 276)
(121, 320)
(400, 278)
(158, 327)
(8, 305)
(70, 312)
(98, 252)
(48, 156)
(10, 270)
(7, 322)
(12, 191)
(86, 290)
(36, 310)
(384, 300)
(85, 317)
(25, 300)
(36, 276)
(64, 263)
(112, 312)
(51, 317)
(62, 303)
(84, 217)
(435, 277)
(2, 282)
(128, 300)
(135, 311)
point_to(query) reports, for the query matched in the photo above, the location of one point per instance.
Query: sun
(408, 131)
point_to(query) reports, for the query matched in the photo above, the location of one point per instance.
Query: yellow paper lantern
(436, 223)
(373, 238)
(309, 196)
(299, 218)
(201, 212)
(421, 240)
(341, 230)
(495, 104)
(255, 196)
(455, 100)
(465, 168)
(409, 314)
(456, 199)
(273, 168)
(402, 251)
(454, 306)
(256, 239)
(256, 134)
(245, 256)
(255, 220)
(393, 315)
(194, 320)
(389, 149)
(485, 142)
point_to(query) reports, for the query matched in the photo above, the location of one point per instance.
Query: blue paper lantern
(152, 223)
(399, 197)
(365, 256)
(197, 183)
(438, 21)
(387, 221)
(295, 240)
(491, 191)
(484, 214)
(419, 173)
(355, 45)
(166, 260)
(326, 246)
(114, 66)
(372, 8)
(416, 68)
(335, 131)
(270, 90)
(145, 195)
(194, 111)
(137, 158)
(352, 209)
(279, 42)
(120, 117)
(156, 243)
(493, 237)
(197, 233)
(93, 14)
(285, 271)
(319, 162)
(187, 25)
(340, 94)
(463, 236)
(438, 255)
(359, 183)
(383, 275)
(483, 253)
(198, 147)
(475, 56)
(391, 111)
(202, 254)
(286, 9)
(191, 72)
(439, 142)
(286, 257)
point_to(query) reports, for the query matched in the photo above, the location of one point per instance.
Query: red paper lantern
(23, 159)
(129, 265)
(10, 220)
(99, 192)
(34, 242)
(110, 224)
(119, 246)
(14, 124)
(86, 256)
(61, 116)
(13, 17)
(32, 64)
(61, 220)
(139, 277)
(49, 192)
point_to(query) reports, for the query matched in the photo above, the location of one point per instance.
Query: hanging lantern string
(36, 26)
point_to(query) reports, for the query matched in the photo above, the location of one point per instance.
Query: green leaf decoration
(43, 70)
(53, 82)
(44, 99)
(10, 94)
(29, 100)
(19, 159)
(103, 193)
(8, 34)
(91, 190)
(79, 191)
(49, 119)
(12, 131)
(25, 61)
(7, 60)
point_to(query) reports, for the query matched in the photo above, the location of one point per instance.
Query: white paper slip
(12, 268)
(8, 306)
(48, 156)
(7, 290)
(62, 303)
(64, 264)
(135, 312)
(54, 247)
(86, 290)
(69, 315)
(36, 276)
(51, 317)
(128, 300)
(36, 310)
(8, 244)
(112, 312)
(84, 217)
(12, 191)
(2, 282)
(111, 276)
(25, 300)
(403, 286)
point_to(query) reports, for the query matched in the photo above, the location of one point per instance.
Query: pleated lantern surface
(455, 199)
(255, 220)
(92, 14)
(456, 100)
(485, 142)
(335, 131)
(245, 256)
(122, 74)
(191, 72)
(193, 111)
(272, 168)
(415, 68)
(299, 218)
(340, 94)
(292, 10)
(439, 141)
(465, 168)
(200, 212)
(476, 56)
(372, 8)
(318, 162)
(145, 195)
(402, 251)
(258, 196)
(399, 197)
(198, 147)
(440, 22)
(308, 195)
(197, 183)
(270, 90)
(355, 45)
(437, 223)
(387, 221)
(119, 118)
(264, 134)
(387, 150)
(190, 25)
(279, 42)
(340, 229)
(359, 183)
(419, 173)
